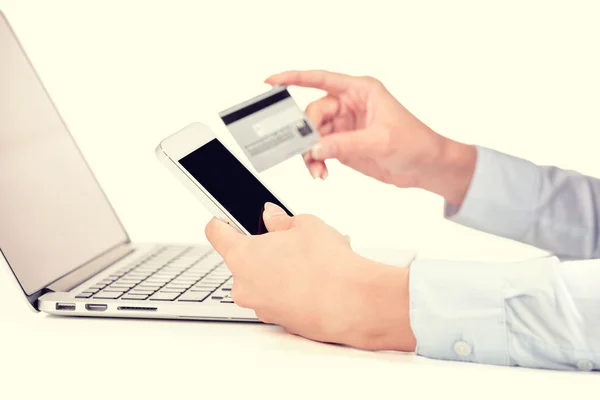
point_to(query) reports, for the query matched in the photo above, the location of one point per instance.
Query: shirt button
(462, 348)
(585, 365)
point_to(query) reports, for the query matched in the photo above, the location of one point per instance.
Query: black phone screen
(231, 184)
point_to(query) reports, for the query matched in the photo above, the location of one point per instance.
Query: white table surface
(98, 358)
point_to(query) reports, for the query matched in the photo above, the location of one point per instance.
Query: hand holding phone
(229, 190)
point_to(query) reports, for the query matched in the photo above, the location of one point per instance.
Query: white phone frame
(184, 142)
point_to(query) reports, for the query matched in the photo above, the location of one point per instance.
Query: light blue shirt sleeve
(541, 313)
(547, 207)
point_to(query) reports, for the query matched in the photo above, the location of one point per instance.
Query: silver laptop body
(60, 236)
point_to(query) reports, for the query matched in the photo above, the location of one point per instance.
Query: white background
(518, 76)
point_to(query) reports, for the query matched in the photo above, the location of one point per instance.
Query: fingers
(276, 219)
(322, 111)
(326, 128)
(332, 82)
(344, 145)
(318, 169)
(221, 236)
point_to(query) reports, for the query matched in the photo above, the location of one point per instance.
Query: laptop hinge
(95, 266)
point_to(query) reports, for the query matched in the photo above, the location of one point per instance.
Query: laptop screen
(54, 217)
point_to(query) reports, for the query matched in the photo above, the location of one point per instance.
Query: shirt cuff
(457, 311)
(535, 313)
(500, 197)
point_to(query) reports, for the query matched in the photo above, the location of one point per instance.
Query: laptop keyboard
(182, 274)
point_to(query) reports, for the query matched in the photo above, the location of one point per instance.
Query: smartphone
(222, 183)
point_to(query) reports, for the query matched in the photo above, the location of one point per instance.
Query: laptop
(61, 238)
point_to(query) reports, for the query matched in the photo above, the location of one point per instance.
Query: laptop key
(206, 285)
(160, 275)
(209, 279)
(141, 292)
(108, 296)
(135, 297)
(143, 271)
(197, 269)
(160, 296)
(133, 281)
(166, 290)
(212, 281)
(178, 285)
(209, 290)
(141, 277)
(155, 283)
(157, 278)
(168, 271)
(186, 278)
(148, 286)
(122, 285)
(220, 274)
(84, 295)
(194, 297)
(206, 290)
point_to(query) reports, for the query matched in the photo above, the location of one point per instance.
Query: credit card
(270, 128)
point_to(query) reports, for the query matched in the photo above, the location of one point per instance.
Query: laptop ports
(65, 307)
(96, 307)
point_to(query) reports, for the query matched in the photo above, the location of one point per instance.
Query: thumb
(344, 145)
(221, 236)
(276, 219)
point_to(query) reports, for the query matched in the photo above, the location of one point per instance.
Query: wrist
(384, 309)
(449, 171)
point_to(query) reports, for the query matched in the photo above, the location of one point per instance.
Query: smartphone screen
(231, 184)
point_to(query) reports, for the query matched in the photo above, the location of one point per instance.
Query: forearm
(383, 310)
(448, 170)
(553, 209)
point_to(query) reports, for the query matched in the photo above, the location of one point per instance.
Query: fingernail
(314, 171)
(325, 174)
(272, 210)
